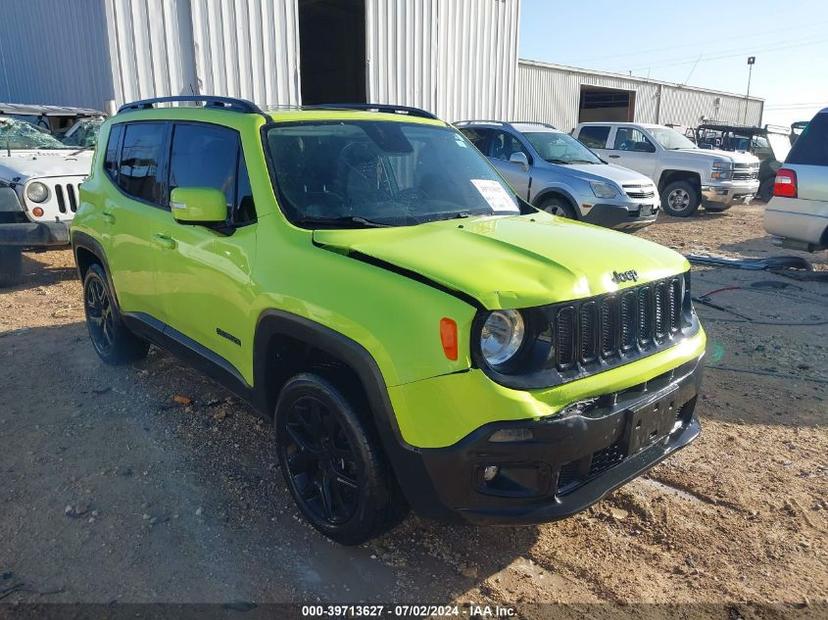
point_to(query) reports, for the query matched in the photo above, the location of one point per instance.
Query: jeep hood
(509, 261)
(30, 164)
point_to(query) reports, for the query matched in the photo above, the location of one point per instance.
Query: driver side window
(504, 144)
(631, 139)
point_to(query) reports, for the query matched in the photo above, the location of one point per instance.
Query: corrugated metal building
(457, 58)
(101, 53)
(565, 96)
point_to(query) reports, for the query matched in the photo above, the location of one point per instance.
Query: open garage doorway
(332, 51)
(606, 104)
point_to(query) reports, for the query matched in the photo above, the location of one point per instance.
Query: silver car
(553, 171)
(798, 211)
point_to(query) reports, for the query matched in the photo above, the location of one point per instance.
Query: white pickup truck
(687, 176)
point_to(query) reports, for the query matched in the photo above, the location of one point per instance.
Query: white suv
(798, 211)
(687, 176)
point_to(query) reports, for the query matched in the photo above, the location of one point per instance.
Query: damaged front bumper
(553, 468)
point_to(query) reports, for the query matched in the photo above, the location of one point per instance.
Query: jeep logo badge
(625, 276)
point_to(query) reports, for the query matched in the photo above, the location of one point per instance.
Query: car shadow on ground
(155, 462)
(38, 273)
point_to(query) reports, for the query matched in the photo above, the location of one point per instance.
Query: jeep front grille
(570, 340)
(638, 319)
(66, 195)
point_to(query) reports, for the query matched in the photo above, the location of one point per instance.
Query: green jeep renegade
(419, 335)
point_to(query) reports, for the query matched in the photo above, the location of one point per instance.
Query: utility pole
(750, 61)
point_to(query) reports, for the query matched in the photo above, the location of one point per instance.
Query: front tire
(680, 199)
(560, 207)
(332, 463)
(11, 266)
(112, 341)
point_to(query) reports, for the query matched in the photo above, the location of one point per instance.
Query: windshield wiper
(346, 219)
(81, 150)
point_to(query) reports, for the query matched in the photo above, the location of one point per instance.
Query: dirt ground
(111, 491)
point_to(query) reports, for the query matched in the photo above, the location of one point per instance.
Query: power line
(743, 52)
(696, 42)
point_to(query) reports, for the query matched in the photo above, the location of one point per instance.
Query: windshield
(670, 139)
(357, 174)
(16, 134)
(561, 148)
(84, 133)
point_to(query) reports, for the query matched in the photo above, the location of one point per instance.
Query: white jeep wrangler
(39, 179)
(687, 176)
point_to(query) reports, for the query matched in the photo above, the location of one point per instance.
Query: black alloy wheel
(112, 341)
(99, 316)
(321, 462)
(332, 460)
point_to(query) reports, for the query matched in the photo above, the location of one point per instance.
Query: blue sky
(697, 42)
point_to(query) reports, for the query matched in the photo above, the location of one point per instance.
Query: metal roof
(633, 78)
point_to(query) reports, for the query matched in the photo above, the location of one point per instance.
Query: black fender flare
(81, 240)
(405, 459)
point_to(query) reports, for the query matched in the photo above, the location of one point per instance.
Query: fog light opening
(511, 434)
(490, 472)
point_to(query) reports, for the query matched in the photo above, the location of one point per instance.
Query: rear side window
(595, 137)
(113, 150)
(140, 174)
(811, 148)
(210, 156)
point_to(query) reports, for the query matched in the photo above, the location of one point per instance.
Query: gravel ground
(150, 483)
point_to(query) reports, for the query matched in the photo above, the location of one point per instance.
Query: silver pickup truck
(687, 176)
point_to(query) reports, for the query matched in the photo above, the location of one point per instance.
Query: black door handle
(615, 156)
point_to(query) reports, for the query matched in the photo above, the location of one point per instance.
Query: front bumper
(573, 459)
(728, 193)
(35, 234)
(623, 217)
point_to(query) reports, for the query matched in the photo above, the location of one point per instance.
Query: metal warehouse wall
(173, 47)
(551, 93)
(44, 60)
(457, 58)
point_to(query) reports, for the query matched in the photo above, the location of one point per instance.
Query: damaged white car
(39, 179)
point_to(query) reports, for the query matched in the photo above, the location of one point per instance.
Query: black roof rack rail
(223, 103)
(508, 124)
(387, 108)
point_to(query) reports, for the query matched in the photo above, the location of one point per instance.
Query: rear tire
(112, 341)
(680, 199)
(560, 207)
(11, 266)
(332, 463)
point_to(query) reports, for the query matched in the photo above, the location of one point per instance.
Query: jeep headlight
(721, 170)
(37, 192)
(501, 336)
(603, 190)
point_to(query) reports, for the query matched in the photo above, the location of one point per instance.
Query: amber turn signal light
(448, 336)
